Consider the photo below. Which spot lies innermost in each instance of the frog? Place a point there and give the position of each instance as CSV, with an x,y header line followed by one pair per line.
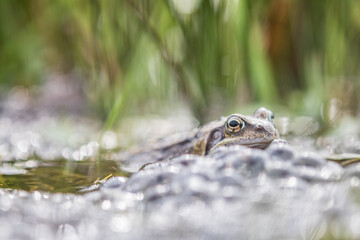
x,y
253,131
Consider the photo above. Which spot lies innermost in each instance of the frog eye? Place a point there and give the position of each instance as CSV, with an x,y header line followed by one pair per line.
x,y
234,124
271,117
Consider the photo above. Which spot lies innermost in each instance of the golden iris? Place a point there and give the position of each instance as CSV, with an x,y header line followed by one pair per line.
x,y
234,124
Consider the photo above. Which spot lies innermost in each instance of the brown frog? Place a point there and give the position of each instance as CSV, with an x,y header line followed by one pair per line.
x,y
256,131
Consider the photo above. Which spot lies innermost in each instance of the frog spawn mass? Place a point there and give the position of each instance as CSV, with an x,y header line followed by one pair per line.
x,y
234,192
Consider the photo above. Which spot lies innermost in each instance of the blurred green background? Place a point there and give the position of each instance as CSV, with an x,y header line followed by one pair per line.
x,y
216,57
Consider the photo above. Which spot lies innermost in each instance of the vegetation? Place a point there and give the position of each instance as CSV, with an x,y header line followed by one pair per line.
x,y
215,56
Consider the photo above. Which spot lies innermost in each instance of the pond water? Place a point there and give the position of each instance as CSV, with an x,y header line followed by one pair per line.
x,y
59,180
57,175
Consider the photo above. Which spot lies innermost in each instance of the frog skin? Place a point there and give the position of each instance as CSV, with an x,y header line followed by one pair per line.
x,y
256,131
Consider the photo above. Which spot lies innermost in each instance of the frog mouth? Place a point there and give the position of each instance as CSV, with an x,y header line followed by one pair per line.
x,y
261,144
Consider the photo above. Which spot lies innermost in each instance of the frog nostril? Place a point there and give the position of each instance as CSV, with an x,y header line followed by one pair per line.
x,y
258,127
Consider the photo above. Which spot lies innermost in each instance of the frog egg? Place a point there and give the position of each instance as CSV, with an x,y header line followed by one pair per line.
x,y
249,164
186,160
224,151
310,160
281,152
146,179
279,171
352,171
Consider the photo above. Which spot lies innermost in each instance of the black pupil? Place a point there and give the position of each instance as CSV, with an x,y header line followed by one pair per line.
x,y
234,123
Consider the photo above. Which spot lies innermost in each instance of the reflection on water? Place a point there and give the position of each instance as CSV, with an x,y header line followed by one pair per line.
x,y
57,175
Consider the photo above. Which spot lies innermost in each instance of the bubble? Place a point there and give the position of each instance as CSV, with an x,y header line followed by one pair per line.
x,y
106,205
109,140
120,223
